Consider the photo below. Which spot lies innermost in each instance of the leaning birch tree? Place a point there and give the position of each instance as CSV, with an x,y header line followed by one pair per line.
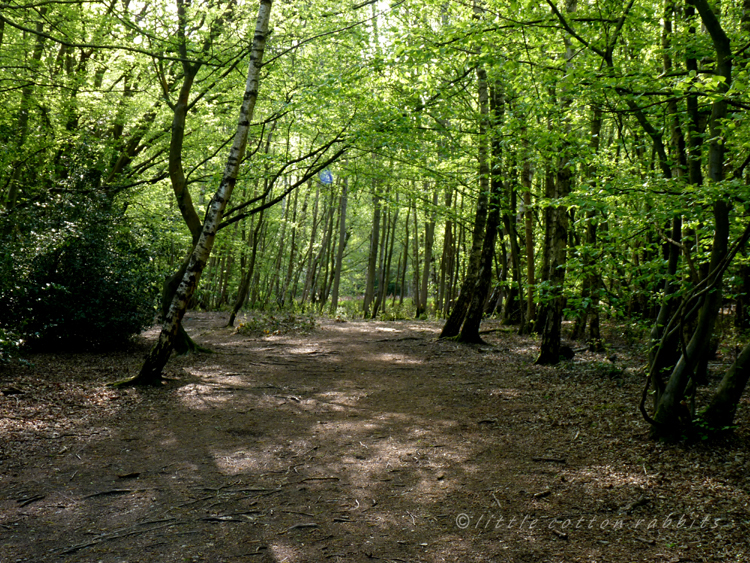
x,y
150,373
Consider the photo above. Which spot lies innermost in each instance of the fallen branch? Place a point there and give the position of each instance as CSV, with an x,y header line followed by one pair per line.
x,y
113,536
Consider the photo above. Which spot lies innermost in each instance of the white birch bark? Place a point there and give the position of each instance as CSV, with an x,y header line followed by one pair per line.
x,y
150,373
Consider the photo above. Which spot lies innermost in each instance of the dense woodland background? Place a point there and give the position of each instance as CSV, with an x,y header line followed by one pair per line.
x,y
540,161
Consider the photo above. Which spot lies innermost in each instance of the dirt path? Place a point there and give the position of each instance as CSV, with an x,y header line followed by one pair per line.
x,y
359,442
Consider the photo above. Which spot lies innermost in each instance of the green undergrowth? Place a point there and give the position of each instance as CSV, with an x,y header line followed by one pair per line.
x,y
260,323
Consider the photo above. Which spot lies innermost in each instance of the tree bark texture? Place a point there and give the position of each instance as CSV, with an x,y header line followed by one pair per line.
x,y
429,236
151,370
342,243
670,419
454,322
372,261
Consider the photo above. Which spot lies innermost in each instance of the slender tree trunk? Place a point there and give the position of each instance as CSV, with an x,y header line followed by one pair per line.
x,y
311,248
383,254
453,262
397,290
526,177
281,246
549,219
320,262
429,235
329,257
551,333
513,312
406,256
455,320
470,330
22,124
248,274
415,264
150,373
254,296
292,254
389,256
549,350
446,260
373,256
342,243
589,313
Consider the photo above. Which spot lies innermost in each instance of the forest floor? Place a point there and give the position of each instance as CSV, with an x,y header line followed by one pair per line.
x,y
357,442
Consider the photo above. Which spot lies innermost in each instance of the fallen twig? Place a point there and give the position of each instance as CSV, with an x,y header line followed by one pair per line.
x,y
110,492
649,542
302,526
491,330
113,536
299,513
224,519
550,459
27,501
559,534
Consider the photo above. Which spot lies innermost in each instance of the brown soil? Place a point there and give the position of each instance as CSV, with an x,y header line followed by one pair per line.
x,y
358,442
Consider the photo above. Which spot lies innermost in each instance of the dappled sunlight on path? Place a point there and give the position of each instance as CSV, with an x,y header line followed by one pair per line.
x,y
360,441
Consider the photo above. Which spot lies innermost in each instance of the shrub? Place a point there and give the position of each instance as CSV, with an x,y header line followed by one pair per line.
x,y
86,283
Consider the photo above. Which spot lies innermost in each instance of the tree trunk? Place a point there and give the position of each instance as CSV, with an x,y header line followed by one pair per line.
x,y
389,256
470,331
415,263
549,219
342,243
406,256
719,414
382,257
373,256
513,313
22,124
530,316
589,313
292,254
549,350
151,370
429,235
670,419
311,249
456,319
280,244
446,261
248,274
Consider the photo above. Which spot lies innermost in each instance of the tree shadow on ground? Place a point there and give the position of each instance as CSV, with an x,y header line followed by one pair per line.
x,y
359,442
